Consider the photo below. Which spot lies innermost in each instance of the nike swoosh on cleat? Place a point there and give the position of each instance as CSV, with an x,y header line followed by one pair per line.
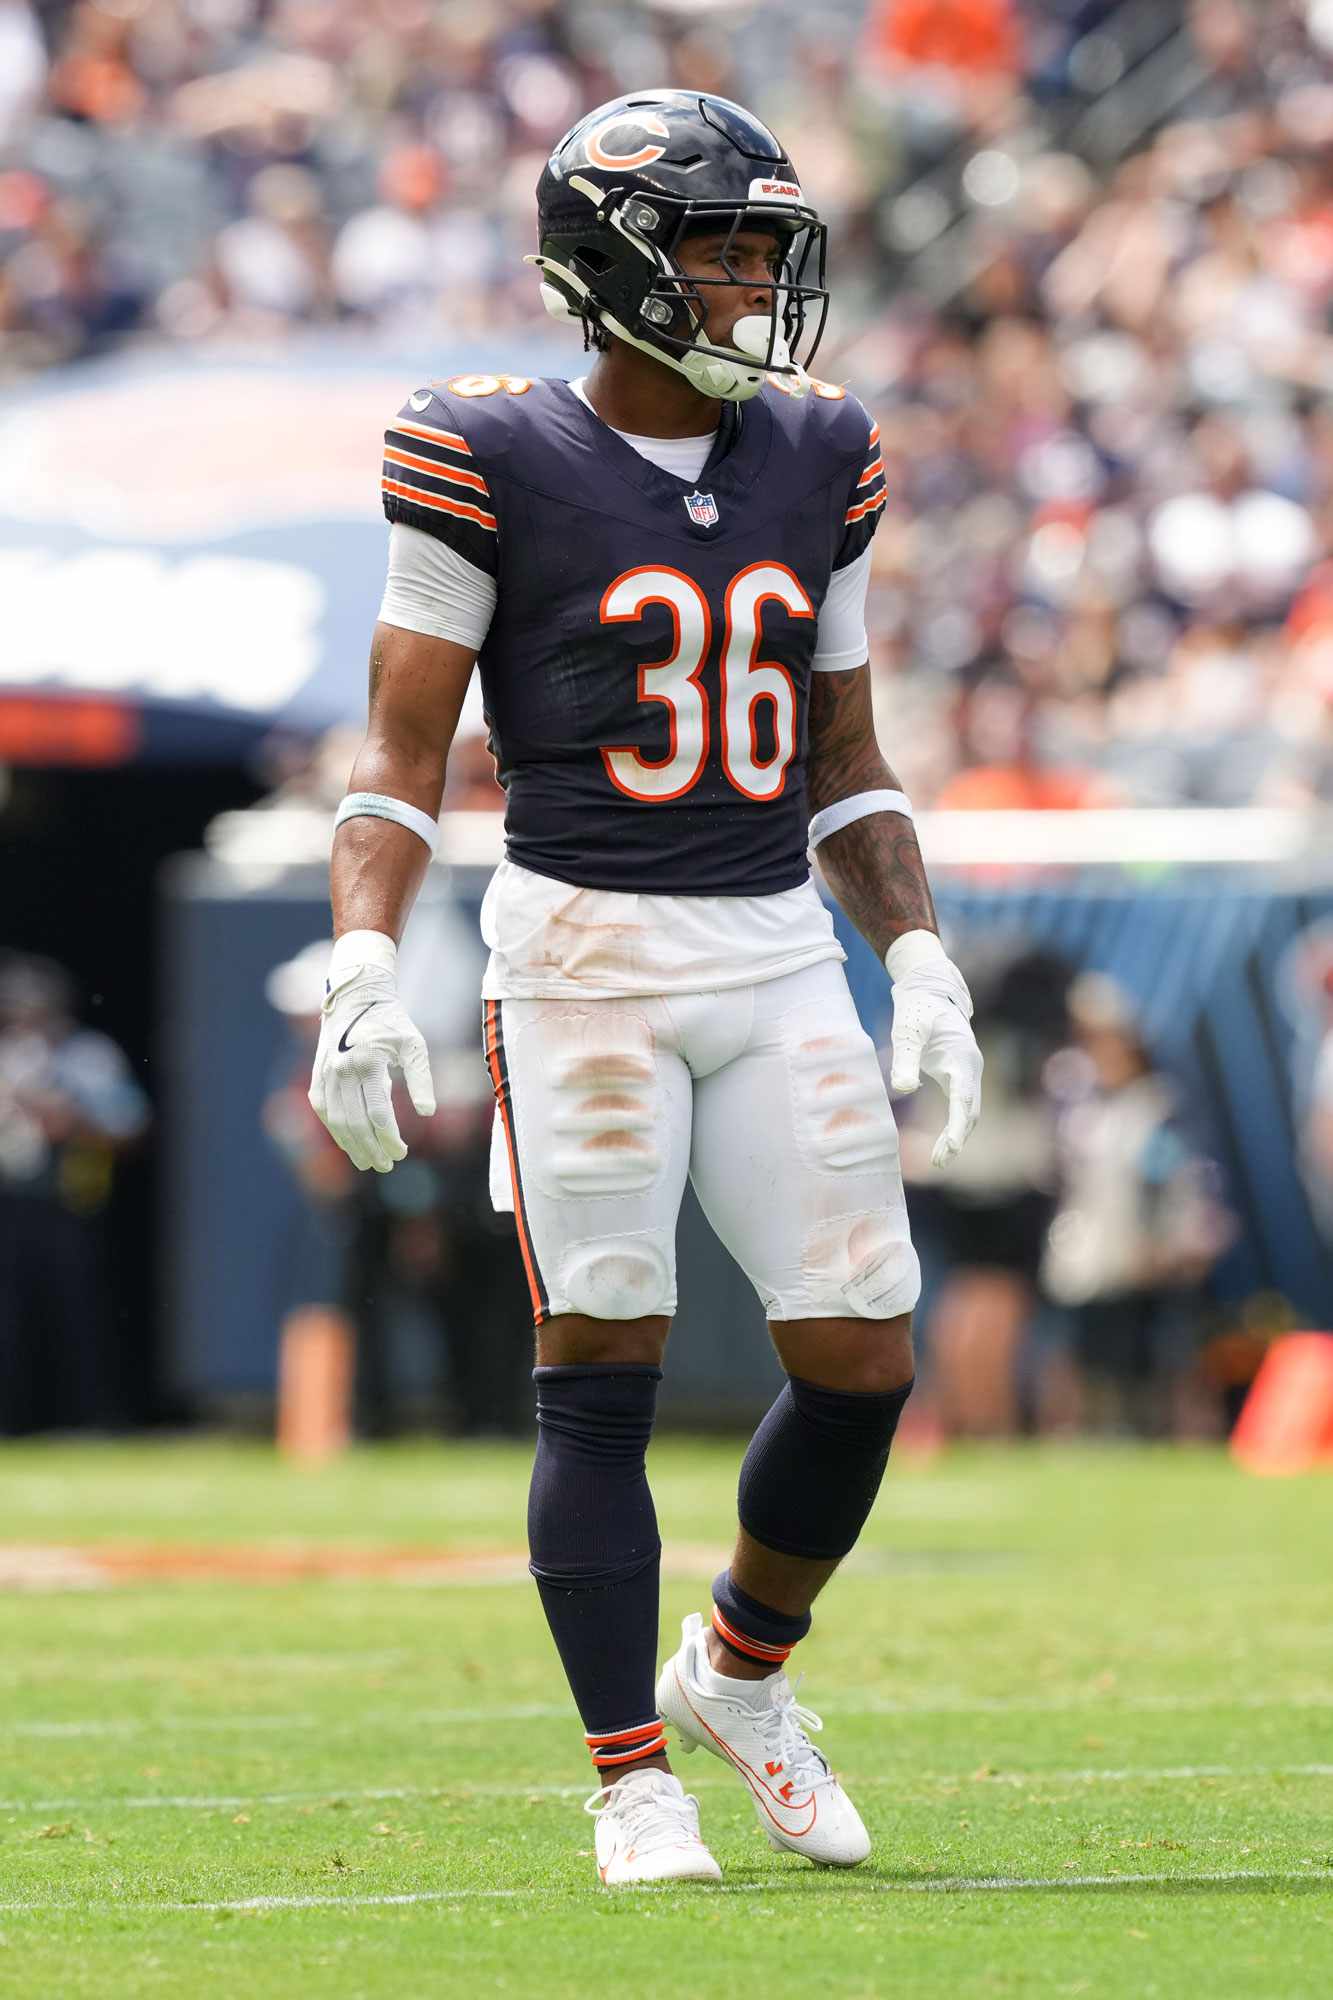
x,y
342,1045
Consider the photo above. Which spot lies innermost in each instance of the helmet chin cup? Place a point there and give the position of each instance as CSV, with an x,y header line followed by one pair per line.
x,y
727,381
752,334
736,381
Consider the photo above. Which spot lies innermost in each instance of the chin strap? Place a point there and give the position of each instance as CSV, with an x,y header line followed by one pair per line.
x,y
716,375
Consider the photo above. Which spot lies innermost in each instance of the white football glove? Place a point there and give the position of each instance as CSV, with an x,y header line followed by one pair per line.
x,y
931,1012
367,1032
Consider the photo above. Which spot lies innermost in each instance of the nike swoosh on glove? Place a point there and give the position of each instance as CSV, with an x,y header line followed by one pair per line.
x,y
366,1033
932,1011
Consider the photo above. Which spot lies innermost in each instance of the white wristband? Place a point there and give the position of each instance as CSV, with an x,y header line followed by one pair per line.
x,y
842,813
912,949
357,948
376,805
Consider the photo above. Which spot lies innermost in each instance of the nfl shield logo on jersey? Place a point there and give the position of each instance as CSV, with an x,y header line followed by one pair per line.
x,y
702,509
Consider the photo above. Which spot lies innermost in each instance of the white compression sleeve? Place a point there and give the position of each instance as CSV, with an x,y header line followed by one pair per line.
x,y
841,641
431,589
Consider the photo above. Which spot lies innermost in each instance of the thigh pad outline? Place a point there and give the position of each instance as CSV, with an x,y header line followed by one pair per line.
x,y
842,1108
603,1105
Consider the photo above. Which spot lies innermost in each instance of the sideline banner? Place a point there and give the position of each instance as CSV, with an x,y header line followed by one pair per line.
x,y
192,549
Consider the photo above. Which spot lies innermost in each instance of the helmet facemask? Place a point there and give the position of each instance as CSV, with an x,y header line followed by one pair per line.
x,y
662,309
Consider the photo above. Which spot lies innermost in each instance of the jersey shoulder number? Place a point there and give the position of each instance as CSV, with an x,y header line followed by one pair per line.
x,y
488,385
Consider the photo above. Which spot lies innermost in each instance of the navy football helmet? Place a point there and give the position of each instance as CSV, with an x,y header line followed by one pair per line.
x,y
621,191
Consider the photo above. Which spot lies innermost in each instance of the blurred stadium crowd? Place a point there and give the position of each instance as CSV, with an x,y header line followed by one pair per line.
x,y
1082,266
1083,259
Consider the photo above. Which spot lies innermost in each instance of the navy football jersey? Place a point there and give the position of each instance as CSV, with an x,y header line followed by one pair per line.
x,y
646,675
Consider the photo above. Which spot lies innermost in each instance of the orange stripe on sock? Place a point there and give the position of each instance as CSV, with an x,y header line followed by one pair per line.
x,y
656,1747
754,1649
628,1735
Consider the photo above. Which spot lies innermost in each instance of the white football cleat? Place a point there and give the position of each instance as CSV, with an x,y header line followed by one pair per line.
x,y
799,1802
648,1831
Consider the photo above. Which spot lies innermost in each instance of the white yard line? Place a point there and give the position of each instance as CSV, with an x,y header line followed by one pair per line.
x,y
962,1705
800,1884
128,1667
1130,1774
860,1703
138,1724
333,1795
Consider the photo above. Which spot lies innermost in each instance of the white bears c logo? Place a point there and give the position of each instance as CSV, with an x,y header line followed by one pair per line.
x,y
600,155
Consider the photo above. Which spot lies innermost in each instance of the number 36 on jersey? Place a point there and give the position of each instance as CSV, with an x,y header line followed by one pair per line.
x,y
748,684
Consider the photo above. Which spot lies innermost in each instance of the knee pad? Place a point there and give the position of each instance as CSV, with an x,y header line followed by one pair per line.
x,y
884,1274
870,1261
590,1515
814,1467
625,1277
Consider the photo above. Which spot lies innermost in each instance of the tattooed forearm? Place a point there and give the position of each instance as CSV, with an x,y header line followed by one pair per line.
x,y
875,870
873,866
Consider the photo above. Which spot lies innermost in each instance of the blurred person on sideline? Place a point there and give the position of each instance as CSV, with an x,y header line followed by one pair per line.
x,y
1305,987
367,1246
69,1106
1138,1223
1317,1133
981,1222
314,1254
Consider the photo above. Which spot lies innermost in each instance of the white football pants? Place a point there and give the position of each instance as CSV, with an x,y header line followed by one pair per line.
x,y
772,1100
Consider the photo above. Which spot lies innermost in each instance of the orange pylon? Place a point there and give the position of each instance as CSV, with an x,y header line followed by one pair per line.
x,y
1287,1422
315,1360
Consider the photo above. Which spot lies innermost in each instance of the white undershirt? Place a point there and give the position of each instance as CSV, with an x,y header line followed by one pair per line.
x,y
681,944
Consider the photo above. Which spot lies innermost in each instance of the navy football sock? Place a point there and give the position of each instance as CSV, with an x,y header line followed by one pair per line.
x,y
595,1551
751,1630
814,1467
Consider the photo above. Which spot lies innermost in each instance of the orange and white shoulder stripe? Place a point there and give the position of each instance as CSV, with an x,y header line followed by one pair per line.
x,y
439,505
432,434
874,500
421,466
864,507
870,492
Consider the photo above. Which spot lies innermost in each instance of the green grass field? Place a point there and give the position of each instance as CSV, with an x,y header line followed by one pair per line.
x,y
1083,1698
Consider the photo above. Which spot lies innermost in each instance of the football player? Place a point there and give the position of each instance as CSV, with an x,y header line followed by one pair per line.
x,y
661,570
